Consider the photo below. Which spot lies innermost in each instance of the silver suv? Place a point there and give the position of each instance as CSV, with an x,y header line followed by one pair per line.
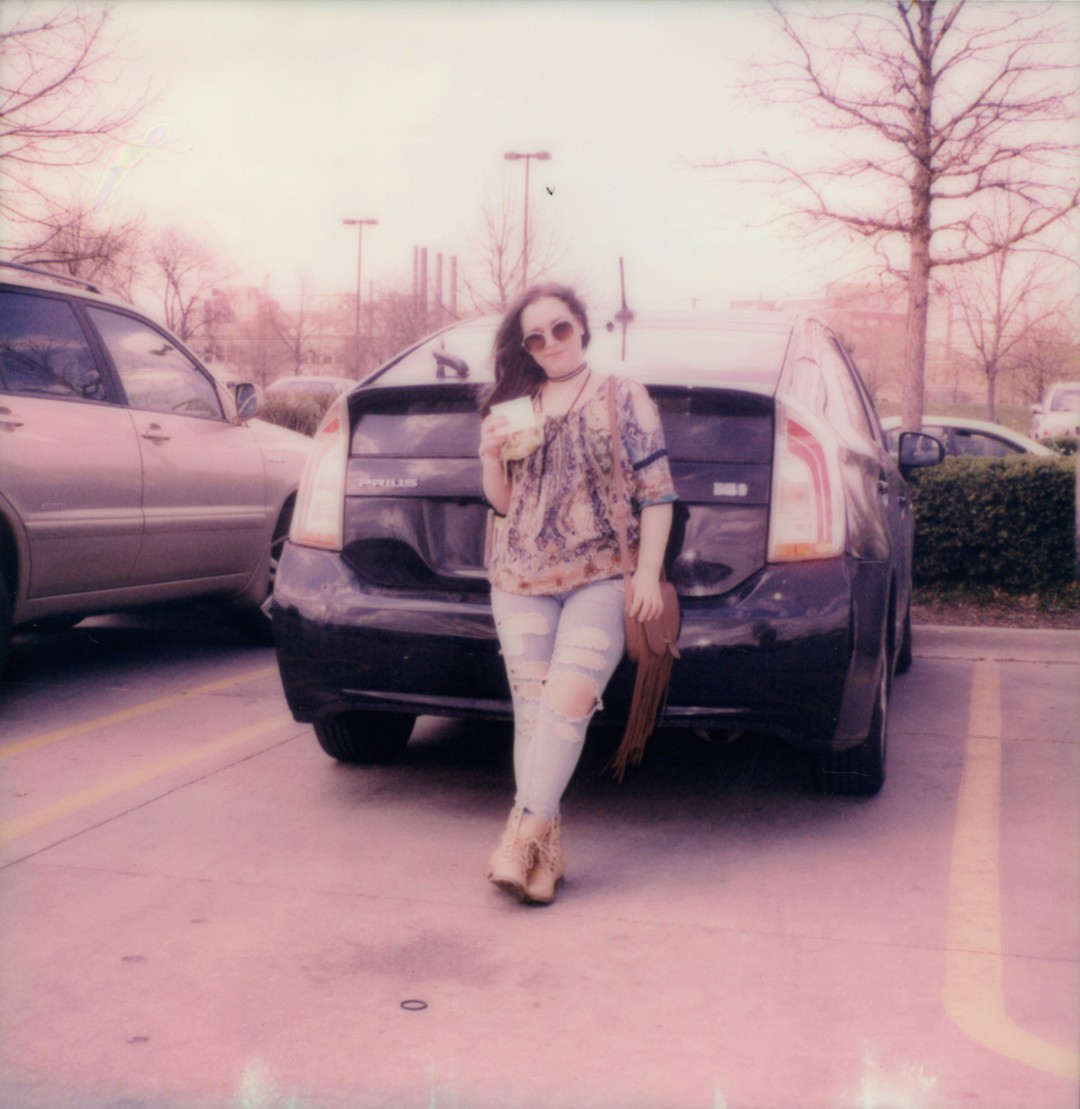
x,y
128,476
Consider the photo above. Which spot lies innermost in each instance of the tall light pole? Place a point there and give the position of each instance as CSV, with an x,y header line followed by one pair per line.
x,y
540,156
359,225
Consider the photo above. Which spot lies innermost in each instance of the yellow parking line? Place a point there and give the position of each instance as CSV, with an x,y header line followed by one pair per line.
x,y
12,829
58,734
974,979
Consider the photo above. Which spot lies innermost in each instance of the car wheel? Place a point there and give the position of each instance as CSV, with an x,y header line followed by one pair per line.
x,y
6,623
904,657
364,737
277,546
257,622
860,771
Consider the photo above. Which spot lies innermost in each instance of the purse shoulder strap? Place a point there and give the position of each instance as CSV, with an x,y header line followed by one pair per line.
x,y
621,507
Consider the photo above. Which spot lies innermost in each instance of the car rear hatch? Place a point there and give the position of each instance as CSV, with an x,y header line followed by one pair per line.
x,y
415,521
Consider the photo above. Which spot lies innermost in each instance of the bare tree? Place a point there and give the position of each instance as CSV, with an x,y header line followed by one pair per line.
x,y
183,271
81,244
299,331
1046,353
925,109
400,321
53,116
499,252
999,301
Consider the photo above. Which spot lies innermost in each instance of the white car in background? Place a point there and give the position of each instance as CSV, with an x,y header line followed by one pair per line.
x,y
968,438
1059,415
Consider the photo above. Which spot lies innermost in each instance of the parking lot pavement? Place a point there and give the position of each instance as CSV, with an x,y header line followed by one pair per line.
x,y
267,928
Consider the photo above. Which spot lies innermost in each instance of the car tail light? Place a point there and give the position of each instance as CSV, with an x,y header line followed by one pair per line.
x,y
320,502
807,511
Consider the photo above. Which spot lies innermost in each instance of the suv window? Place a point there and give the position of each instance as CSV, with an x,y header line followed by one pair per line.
x,y
43,351
155,374
1066,400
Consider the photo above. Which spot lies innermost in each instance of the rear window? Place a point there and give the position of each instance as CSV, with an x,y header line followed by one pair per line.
x,y
741,353
418,424
741,357
444,422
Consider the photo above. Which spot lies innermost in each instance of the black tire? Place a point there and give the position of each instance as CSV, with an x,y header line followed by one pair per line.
x,y
904,657
860,771
277,545
7,623
364,737
257,622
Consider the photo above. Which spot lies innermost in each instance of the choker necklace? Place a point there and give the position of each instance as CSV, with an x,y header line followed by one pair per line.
x,y
559,420
570,376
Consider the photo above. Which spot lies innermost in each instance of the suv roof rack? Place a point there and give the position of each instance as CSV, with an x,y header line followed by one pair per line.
x,y
63,278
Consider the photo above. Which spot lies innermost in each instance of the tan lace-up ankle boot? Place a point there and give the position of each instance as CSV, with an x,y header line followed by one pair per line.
x,y
550,866
513,858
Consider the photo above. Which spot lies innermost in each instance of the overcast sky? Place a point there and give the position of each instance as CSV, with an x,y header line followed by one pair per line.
x,y
280,118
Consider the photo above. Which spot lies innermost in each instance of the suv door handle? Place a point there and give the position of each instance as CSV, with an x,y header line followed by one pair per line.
x,y
8,419
156,433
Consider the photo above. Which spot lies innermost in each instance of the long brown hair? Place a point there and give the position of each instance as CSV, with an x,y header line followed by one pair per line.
x,y
516,373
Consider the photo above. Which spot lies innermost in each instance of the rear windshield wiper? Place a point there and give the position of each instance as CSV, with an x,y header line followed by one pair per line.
x,y
450,364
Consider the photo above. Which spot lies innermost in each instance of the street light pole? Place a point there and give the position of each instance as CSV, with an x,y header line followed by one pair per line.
x,y
359,225
513,156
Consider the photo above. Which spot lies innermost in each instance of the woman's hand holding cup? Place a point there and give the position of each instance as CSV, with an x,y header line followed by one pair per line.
x,y
493,434
505,419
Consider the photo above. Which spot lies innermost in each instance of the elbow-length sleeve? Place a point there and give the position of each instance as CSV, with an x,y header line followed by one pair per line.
x,y
643,438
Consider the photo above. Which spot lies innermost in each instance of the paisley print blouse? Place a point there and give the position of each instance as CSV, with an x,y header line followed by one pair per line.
x,y
559,533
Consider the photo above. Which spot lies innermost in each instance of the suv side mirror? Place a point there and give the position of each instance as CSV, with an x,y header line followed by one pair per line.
x,y
917,449
247,401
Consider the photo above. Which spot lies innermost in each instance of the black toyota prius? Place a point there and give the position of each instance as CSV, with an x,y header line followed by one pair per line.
x,y
791,548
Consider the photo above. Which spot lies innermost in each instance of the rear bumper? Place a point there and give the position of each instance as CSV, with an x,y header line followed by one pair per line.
x,y
794,652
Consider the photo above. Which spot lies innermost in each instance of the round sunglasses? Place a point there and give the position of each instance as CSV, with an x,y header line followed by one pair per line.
x,y
535,341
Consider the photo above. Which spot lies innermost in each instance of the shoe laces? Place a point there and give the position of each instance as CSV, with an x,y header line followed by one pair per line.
x,y
546,853
522,852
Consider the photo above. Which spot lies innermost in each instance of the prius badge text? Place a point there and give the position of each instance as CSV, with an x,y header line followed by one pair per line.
x,y
387,482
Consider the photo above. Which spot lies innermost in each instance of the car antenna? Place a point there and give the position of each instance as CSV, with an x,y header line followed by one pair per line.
x,y
624,314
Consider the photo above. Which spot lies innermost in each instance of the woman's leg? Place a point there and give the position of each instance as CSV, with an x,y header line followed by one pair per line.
x,y
560,653
527,627
588,644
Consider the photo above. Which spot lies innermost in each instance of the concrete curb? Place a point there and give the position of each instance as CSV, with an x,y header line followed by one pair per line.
x,y
1002,644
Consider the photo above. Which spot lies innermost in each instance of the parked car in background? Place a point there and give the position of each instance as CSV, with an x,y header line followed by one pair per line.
x,y
1058,417
298,386
964,438
791,547
128,475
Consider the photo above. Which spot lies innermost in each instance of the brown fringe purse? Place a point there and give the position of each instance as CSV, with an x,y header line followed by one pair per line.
x,y
652,644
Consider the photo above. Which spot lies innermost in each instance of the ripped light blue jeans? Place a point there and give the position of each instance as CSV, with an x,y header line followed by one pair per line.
x,y
560,652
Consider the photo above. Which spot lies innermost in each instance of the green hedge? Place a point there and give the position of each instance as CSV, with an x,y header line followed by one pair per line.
x,y
1063,444
303,413
1009,524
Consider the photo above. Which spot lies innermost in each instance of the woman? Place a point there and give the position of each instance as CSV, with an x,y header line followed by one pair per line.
x,y
557,590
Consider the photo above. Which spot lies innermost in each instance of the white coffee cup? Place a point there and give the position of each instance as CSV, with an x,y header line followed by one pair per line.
x,y
518,412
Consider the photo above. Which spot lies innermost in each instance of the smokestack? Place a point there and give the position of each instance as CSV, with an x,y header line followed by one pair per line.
x,y
438,286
